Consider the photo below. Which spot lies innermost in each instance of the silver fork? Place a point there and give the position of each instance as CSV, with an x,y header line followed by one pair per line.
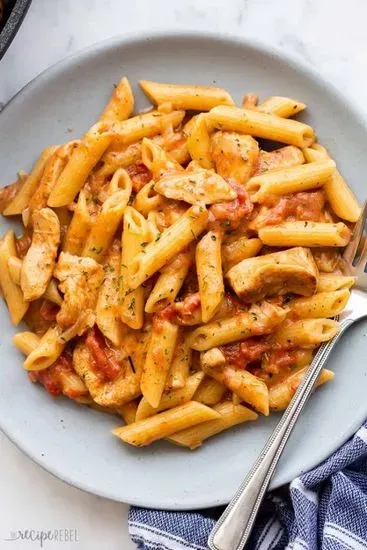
x,y
234,526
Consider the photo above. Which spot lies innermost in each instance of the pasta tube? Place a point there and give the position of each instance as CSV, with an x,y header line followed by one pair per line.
x,y
48,350
198,143
172,398
281,393
172,241
323,304
210,276
145,125
26,342
22,198
169,282
135,234
281,106
13,295
290,180
259,320
187,97
158,361
82,160
229,416
164,424
306,333
105,226
262,125
79,227
107,315
121,104
313,234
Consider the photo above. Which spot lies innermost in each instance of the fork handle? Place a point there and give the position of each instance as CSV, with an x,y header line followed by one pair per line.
x,y
234,526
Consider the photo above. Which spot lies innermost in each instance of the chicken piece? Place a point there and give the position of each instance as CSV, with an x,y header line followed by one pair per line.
x,y
235,155
107,393
201,186
80,280
293,270
285,157
39,262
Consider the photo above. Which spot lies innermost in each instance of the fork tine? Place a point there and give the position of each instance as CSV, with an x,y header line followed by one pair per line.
x,y
361,264
351,249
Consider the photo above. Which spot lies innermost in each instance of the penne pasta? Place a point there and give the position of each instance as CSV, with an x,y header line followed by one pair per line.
x,y
198,143
147,200
262,125
135,234
280,395
158,361
50,347
210,392
323,304
22,198
312,234
187,97
169,282
105,226
26,341
238,250
245,385
171,241
229,416
107,314
52,171
164,424
79,227
307,332
261,319
210,276
145,125
290,180
13,296
170,399
329,282
340,197
121,104
157,159
81,162
181,364
281,106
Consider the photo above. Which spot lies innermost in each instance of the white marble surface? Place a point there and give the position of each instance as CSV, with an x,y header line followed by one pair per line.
x,y
329,34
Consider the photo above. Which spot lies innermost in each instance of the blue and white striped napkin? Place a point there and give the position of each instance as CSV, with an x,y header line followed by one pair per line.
x,y
325,508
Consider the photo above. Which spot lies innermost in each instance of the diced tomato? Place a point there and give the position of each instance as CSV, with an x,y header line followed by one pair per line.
x,y
241,354
233,211
23,243
280,359
104,361
182,312
48,310
139,174
50,378
303,206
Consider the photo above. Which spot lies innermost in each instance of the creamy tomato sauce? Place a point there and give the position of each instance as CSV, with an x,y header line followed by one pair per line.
x,y
105,361
303,206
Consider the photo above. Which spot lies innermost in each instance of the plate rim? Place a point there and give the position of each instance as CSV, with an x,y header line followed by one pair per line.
x,y
132,39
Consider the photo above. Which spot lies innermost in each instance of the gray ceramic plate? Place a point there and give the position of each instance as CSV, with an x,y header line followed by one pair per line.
x,y
75,443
